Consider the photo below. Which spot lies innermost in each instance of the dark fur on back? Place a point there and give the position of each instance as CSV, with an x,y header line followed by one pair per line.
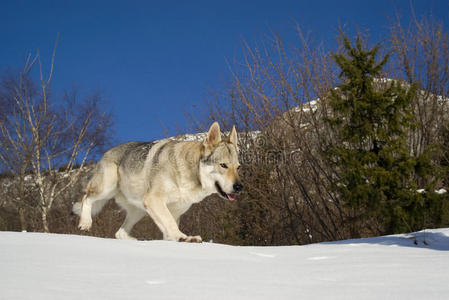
x,y
131,155
135,157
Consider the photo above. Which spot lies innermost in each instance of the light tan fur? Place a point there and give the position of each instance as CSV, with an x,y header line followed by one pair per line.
x,y
162,179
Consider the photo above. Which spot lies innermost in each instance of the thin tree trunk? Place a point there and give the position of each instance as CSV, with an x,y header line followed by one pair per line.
x,y
44,220
23,222
21,209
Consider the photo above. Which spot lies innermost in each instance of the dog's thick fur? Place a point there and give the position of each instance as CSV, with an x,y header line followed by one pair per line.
x,y
162,179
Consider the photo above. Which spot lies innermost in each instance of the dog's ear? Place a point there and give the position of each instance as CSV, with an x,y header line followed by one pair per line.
x,y
232,137
213,136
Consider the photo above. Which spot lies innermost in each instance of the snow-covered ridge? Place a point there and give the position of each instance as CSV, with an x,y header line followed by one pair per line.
x,y
244,138
312,106
50,266
195,137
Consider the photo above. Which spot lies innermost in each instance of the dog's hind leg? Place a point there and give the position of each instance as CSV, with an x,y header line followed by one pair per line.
x,y
133,215
101,187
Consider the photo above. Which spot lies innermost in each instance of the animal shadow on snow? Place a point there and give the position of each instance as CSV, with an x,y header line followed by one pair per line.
x,y
423,239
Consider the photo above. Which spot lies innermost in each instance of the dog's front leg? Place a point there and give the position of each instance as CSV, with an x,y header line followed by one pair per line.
x,y
159,212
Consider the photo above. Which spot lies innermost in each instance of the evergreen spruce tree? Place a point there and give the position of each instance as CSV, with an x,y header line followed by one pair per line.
x,y
376,171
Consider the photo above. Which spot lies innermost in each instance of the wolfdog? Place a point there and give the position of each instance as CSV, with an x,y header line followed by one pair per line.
x,y
163,179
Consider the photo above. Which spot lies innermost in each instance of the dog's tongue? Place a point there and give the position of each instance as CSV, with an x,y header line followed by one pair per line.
x,y
231,196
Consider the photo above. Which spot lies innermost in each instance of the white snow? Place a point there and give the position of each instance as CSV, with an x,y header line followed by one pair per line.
x,y
51,266
308,106
441,191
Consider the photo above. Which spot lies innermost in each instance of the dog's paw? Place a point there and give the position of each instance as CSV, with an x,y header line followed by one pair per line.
x,y
121,234
191,239
85,224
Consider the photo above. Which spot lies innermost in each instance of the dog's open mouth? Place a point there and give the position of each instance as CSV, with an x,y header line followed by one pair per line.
x,y
223,194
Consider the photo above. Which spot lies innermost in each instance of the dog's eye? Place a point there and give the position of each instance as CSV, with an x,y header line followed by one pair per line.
x,y
224,166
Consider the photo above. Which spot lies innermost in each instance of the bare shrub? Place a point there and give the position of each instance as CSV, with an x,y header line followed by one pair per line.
x,y
46,140
278,97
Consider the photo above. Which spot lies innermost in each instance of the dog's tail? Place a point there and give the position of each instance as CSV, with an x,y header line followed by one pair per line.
x,y
97,206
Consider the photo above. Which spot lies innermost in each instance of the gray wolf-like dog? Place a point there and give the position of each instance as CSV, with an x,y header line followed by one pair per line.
x,y
163,179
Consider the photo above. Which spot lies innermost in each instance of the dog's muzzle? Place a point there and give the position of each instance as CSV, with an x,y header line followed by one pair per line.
x,y
238,187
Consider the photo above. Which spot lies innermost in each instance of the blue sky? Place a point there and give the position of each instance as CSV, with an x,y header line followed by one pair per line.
x,y
155,60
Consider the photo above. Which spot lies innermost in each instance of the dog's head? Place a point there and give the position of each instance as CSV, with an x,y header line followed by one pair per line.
x,y
219,163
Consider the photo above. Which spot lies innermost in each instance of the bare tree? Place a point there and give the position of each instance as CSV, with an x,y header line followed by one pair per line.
x,y
287,199
421,55
16,143
51,139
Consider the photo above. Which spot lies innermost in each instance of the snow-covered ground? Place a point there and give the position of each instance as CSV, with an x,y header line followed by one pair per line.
x,y
51,266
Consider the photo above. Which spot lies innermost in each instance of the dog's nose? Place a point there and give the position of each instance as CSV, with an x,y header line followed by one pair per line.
x,y
237,187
